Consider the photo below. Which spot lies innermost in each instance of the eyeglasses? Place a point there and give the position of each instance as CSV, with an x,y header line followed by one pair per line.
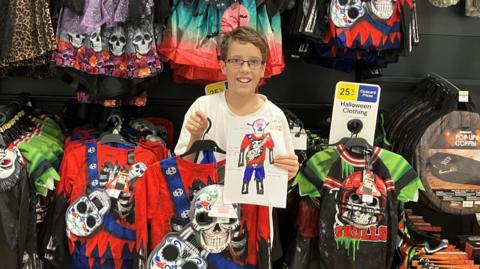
x,y
238,63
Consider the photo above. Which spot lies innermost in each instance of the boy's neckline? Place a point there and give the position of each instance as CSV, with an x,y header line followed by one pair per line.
x,y
262,97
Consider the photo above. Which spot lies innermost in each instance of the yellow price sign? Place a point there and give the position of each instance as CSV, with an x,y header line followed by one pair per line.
x,y
347,91
216,87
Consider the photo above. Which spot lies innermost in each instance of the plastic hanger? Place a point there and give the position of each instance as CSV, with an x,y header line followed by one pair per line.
x,y
204,144
354,143
115,136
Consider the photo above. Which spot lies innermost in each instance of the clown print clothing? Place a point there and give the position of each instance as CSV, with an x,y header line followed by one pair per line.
x,y
358,218
17,220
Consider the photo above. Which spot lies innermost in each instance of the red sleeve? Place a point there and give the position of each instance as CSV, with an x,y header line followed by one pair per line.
x,y
245,143
157,148
159,206
69,169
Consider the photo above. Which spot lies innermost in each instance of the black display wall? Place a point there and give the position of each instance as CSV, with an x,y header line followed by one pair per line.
x,y
449,46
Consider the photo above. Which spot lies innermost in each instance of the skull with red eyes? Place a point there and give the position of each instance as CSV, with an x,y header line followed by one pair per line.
x,y
363,200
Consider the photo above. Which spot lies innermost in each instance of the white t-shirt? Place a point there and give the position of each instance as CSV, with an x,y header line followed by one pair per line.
x,y
216,108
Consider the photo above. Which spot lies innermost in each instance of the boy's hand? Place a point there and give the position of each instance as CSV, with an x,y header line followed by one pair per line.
x,y
197,124
288,162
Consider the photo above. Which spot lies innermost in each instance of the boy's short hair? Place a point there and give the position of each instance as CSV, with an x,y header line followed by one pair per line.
x,y
243,34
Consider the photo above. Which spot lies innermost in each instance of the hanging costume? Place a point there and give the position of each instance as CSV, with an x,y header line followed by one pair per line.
x,y
106,220
27,37
18,235
363,201
177,182
194,30
115,38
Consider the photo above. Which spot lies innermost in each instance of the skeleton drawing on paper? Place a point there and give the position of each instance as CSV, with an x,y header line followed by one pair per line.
x,y
253,152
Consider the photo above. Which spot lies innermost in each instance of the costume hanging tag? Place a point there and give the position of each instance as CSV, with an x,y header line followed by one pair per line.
x,y
463,96
221,210
367,187
216,87
223,220
299,138
113,193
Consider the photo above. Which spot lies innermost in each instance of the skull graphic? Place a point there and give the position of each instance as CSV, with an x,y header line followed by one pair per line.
x,y
445,3
175,251
137,170
213,233
86,214
178,192
355,208
380,9
117,40
95,41
67,57
344,13
142,40
171,171
76,39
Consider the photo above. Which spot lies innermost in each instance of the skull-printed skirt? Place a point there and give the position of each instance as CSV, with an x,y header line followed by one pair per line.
x,y
108,44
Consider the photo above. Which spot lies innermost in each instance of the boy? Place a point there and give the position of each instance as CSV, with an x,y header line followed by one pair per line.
x,y
243,57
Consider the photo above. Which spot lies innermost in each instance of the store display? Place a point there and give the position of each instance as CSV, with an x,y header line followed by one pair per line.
x,y
447,159
102,187
440,140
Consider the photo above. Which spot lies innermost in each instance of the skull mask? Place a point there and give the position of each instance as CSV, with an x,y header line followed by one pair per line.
x,y
142,40
355,208
117,41
95,41
76,39
137,170
85,215
344,13
175,251
213,233
381,9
